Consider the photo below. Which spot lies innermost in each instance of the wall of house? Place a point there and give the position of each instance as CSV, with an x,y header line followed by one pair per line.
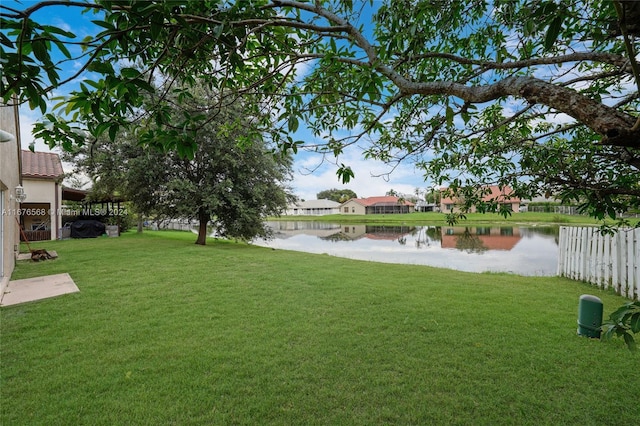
x,y
9,179
452,208
351,207
43,196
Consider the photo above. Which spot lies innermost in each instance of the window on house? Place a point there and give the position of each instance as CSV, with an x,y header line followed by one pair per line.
x,y
353,209
346,209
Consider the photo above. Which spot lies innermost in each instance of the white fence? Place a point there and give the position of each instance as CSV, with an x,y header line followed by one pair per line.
x,y
602,260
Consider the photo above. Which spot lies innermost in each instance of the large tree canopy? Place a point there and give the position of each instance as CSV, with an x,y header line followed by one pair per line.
x,y
225,187
337,195
539,95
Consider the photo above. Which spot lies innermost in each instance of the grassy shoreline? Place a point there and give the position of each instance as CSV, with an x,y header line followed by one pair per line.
x,y
438,219
167,332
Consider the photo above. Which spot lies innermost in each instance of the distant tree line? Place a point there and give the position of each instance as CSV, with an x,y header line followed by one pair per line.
x,y
337,195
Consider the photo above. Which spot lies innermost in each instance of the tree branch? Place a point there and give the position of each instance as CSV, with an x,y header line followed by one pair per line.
x,y
603,57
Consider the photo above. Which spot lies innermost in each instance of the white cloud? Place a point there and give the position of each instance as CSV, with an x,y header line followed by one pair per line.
x,y
372,178
63,25
27,119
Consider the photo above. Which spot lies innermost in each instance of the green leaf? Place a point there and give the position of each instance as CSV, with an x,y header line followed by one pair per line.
x,y
56,30
449,115
52,74
5,40
631,344
34,95
635,322
94,84
143,85
113,130
552,32
104,24
40,50
529,27
607,331
345,173
85,44
42,103
101,128
95,109
618,315
63,48
101,67
129,72
292,123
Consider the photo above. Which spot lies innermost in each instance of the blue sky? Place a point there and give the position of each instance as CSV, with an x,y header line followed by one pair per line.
x,y
311,173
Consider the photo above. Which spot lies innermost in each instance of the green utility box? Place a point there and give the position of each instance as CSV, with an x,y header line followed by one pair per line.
x,y
589,316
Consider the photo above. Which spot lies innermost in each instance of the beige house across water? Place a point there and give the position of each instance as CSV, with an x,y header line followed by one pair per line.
x,y
377,205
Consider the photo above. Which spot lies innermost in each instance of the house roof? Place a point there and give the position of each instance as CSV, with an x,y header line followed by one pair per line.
x,y
379,201
316,204
42,165
495,194
72,194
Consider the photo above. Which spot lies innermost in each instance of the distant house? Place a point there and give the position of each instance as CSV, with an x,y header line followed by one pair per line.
x,y
42,176
503,197
423,206
9,191
313,208
377,205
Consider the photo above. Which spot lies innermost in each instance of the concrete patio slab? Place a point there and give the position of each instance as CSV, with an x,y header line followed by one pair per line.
x,y
32,289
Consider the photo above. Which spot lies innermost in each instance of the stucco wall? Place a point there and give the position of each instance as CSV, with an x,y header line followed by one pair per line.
x,y
515,208
9,179
351,207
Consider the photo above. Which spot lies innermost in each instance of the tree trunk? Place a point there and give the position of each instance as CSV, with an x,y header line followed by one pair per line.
x,y
140,223
202,229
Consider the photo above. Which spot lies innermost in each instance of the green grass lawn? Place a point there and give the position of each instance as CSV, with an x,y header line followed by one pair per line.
x,y
167,332
472,219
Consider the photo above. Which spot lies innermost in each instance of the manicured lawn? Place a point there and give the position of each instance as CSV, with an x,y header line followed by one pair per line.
x,y
472,219
167,332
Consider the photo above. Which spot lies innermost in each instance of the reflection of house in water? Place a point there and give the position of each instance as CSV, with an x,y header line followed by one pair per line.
x,y
286,229
480,238
374,232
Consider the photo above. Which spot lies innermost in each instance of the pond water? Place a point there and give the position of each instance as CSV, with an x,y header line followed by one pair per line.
x,y
518,250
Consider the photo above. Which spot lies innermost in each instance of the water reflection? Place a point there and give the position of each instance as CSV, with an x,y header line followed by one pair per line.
x,y
520,250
